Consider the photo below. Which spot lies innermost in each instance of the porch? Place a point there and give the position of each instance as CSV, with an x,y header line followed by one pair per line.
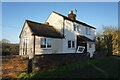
x,y
82,41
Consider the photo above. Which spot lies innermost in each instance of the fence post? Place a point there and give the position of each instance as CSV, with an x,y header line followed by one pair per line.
x,y
29,66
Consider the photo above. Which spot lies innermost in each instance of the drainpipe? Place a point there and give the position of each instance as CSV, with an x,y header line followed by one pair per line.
x,y
63,27
34,47
63,32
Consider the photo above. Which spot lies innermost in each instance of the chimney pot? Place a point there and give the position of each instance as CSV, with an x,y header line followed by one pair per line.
x,y
71,12
71,15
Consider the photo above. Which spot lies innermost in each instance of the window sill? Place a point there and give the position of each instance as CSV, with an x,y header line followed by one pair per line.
x,y
76,32
46,48
71,48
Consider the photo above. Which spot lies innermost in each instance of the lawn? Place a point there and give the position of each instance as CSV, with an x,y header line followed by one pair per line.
x,y
104,67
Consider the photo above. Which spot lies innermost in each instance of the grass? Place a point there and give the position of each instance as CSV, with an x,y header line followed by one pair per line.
x,y
105,67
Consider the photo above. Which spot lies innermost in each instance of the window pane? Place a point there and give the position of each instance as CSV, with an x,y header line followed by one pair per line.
x,y
48,43
73,44
43,46
43,42
86,30
69,44
89,31
74,27
48,46
77,28
80,49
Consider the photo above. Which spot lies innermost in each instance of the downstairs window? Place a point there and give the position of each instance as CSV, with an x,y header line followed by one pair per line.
x,y
71,44
45,43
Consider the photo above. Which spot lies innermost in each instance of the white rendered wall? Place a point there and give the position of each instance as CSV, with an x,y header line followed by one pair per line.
x,y
92,49
26,34
56,21
83,31
56,46
69,35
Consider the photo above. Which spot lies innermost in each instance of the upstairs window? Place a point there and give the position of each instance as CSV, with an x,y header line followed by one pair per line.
x,y
88,31
71,44
45,43
76,27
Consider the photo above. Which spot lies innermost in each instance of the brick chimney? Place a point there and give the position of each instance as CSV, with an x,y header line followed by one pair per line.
x,y
71,15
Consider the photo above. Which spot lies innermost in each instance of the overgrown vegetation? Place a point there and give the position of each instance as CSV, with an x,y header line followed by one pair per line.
x,y
105,67
9,48
109,40
100,42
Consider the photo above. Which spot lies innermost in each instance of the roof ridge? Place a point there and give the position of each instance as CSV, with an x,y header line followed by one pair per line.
x,y
32,21
38,23
75,20
60,14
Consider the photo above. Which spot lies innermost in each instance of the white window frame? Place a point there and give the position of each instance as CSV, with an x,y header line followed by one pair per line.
x,y
71,44
76,28
46,45
25,46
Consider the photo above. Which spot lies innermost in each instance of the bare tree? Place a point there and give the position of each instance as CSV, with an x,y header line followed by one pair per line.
x,y
111,36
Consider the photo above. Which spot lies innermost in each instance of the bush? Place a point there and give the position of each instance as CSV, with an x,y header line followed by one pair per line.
x,y
10,49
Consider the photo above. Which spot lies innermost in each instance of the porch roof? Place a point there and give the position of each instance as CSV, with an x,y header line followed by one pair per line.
x,y
85,38
44,30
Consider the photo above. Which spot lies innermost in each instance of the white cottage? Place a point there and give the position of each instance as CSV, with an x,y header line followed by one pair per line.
x,y
58,35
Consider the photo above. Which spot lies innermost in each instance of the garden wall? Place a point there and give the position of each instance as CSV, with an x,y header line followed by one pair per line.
x,y
46,61
13,66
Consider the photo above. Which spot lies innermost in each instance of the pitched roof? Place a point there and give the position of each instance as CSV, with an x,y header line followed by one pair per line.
x,y
75,20
44,30
85,38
